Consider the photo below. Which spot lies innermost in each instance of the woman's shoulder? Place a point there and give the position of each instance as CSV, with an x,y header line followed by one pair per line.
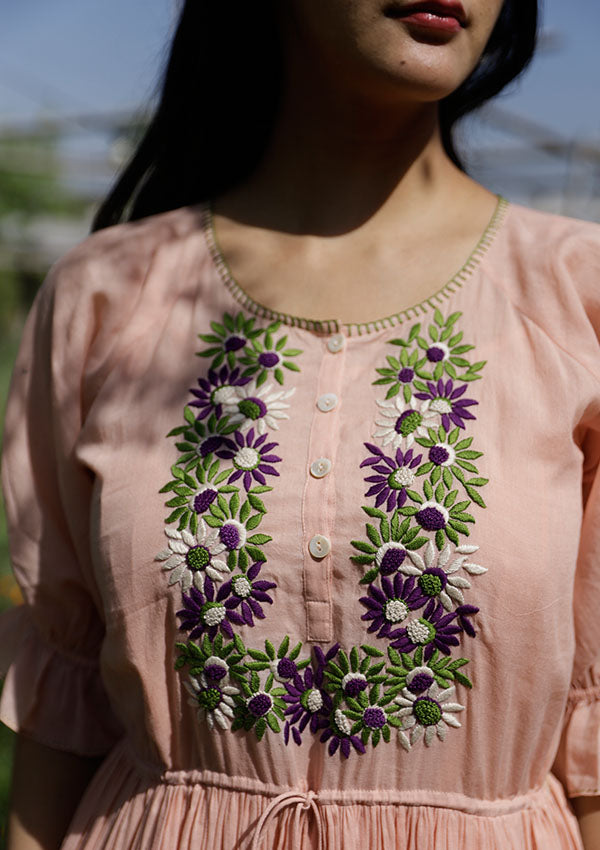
x,y
117,259
549,267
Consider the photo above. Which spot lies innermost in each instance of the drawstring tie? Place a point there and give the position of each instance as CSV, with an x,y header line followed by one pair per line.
x,y
303,802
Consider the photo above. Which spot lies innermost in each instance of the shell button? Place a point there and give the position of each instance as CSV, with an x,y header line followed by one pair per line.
x,y
335,343
319,546
327,402
320,467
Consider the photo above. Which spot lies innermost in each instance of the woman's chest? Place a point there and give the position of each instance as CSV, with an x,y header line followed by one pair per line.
x,y
341,511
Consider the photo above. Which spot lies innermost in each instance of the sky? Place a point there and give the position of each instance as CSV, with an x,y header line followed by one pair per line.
x,y
86,55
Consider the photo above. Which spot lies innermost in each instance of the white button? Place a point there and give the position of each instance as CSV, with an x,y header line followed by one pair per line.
x,y
319,546
327,402
320,467
335,343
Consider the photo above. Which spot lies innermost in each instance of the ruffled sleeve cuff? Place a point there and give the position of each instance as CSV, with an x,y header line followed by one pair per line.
x,y
53,697
577,762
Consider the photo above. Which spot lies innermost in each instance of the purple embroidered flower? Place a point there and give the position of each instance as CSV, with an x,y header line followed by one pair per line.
x,y
434,630
207,613
308,702
393,478
216,390
338,733
391,604
246,594
446,400
251,458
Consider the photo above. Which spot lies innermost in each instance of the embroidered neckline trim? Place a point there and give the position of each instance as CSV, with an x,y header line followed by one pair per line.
x,y
329,326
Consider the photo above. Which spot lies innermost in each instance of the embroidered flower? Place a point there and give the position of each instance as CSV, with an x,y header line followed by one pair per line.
x,y
246,594
190,556
257,406
439,668
262,358
213,700
308,701
425,709
437,574
204,614
400,374
251,459
390,605
435,629
401,422
215,391
259,707
347,676
282,663
339,734
229,338
395,476
370,715
445,399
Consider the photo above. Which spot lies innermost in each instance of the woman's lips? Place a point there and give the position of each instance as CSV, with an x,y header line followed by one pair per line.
x,y
445,15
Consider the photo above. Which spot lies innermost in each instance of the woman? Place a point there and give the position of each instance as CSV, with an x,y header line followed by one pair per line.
x,y
350,600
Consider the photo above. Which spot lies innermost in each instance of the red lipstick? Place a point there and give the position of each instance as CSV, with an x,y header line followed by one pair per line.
x,y
441,15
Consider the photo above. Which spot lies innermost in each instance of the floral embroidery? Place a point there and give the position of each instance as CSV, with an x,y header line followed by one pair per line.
x,y
417,572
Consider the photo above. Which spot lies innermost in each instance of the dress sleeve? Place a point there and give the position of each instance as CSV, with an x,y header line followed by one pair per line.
x,y
50,646
577,762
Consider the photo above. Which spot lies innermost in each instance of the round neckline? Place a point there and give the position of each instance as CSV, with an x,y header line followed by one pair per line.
x,y
330,326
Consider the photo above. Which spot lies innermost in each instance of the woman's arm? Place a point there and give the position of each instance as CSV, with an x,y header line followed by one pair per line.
x,y
587,810
47,785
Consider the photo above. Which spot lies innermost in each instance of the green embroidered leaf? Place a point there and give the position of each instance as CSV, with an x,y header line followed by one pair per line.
x,y
177,502
234,504
369,576
447,476
393,390
395,527
374,512
278,374
255,553
438,371
395,721
260,728
384,526
270,649
254,521
217,512
259,539
257,503
452,535
272,721
175,515
361,560
245,511
354,659
363,547
283,647
463,680
425,467
416,543
448,501
433,333
428,490
440,541
343,661
475,496
416,497
296,651
466,465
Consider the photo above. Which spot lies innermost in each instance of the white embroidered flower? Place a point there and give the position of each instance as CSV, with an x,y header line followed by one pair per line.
x,y
257,407
401,422
441,572
189,556
426,714
213,701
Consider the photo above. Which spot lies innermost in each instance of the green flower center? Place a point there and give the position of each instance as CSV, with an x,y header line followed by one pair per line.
x,y
209,698
427,711
409,422
250,409
198,558
421,631
430,584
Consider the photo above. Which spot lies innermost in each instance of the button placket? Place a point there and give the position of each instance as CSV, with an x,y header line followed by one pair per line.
x,y
318,504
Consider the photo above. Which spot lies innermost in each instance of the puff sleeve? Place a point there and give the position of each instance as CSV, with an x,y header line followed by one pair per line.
x,y
50,646
577,762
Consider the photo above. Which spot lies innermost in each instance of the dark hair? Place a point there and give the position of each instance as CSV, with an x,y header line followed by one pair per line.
x,y
218,102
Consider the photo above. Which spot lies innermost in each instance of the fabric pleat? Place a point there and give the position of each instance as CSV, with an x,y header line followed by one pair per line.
x,y
125,810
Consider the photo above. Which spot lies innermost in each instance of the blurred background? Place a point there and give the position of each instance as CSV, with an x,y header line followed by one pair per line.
x,y
77,81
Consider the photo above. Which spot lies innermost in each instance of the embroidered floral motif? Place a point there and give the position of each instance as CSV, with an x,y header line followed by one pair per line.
x,y
418,573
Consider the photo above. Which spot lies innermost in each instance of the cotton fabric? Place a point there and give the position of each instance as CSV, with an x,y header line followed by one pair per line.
x,y
109,362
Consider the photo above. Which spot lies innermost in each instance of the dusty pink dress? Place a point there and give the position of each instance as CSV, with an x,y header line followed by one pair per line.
x,y
309,584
